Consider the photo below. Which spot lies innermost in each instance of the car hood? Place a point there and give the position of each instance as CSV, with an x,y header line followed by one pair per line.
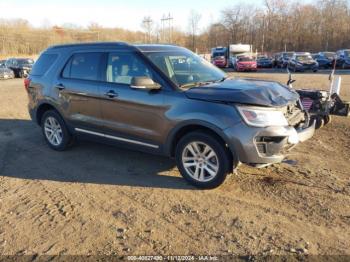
x,y
245,91
246,62
309,62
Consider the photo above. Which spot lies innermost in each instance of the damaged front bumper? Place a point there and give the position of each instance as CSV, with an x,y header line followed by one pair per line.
x,y
264,146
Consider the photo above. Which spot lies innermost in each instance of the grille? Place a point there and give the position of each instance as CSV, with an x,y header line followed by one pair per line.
x,y
294,115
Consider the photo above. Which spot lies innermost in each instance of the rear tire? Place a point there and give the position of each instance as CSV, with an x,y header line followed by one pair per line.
x,y
203,160
55,131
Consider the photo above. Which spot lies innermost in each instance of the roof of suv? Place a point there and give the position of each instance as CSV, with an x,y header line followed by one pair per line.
x,y
302,53
120,45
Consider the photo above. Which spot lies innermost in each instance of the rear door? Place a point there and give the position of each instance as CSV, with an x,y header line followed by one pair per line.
x,y
78,90
128,113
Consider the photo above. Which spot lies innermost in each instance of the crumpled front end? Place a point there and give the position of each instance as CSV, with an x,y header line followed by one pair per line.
x,y
267,145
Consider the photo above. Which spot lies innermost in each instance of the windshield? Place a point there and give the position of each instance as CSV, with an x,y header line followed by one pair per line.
x,y
185,68
25,61
288,55
219,54
245,59
329,55
304,57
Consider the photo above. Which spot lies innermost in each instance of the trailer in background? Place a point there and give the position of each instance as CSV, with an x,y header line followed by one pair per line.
x,y
237,50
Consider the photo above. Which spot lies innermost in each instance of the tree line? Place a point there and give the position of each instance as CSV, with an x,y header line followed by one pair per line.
x,y
277,25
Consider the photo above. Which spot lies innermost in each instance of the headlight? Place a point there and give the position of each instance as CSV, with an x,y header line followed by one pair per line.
x,y
262,117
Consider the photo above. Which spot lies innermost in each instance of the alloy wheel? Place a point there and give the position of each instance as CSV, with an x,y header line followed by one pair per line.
x,y
200,161
53,131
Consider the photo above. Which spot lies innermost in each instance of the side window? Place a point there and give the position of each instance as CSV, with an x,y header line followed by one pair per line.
x,y
83,66
122,67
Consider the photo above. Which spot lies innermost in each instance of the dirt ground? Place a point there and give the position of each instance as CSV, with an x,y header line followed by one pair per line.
x,y
96,199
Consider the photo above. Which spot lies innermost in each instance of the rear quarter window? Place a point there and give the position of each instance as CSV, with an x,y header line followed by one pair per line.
x,y
43,64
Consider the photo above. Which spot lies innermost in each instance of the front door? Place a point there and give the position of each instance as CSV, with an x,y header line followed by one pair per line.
x,y
131,115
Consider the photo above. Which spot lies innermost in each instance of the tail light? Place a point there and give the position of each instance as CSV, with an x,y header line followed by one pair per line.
x,y
27,83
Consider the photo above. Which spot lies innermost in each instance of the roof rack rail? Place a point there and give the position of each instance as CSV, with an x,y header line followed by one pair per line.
x,y
89,44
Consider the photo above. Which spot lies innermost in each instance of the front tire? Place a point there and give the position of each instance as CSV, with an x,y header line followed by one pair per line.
x,y
203,160
55,131
20,74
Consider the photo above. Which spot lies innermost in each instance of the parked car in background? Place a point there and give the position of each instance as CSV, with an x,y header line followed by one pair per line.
x,y
134,96
246,63
20,66
283,60
264,62
275,59
343,58
2,62
6,73
330,55
323,62
302,62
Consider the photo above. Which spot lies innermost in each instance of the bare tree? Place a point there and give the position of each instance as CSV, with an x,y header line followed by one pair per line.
x,y
276,25
193,24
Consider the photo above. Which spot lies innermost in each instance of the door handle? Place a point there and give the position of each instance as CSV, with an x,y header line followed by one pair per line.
x,y
111,94
60,87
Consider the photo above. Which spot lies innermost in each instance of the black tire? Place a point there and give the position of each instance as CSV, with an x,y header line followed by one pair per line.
x,y
67,138
224,158
327,119
16,73
319,122
20,74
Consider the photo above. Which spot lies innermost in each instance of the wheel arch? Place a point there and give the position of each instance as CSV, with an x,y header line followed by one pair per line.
x,y
181,130
42,108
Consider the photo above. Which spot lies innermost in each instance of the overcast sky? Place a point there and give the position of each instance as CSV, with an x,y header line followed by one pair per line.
x,y
112,13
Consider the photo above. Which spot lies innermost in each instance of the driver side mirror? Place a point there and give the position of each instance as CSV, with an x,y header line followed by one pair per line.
x,y
144,82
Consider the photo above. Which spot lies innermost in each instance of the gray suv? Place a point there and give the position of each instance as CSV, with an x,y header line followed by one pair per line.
x,y
165,100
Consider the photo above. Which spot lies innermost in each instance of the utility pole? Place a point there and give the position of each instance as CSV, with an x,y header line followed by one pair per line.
x,y
147,23
167,20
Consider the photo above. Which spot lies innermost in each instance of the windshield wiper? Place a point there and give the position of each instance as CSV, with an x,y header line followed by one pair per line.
x,y
196,84
222,79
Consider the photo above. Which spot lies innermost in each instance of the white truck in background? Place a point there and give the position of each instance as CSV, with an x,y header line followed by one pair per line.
x,y
237,50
